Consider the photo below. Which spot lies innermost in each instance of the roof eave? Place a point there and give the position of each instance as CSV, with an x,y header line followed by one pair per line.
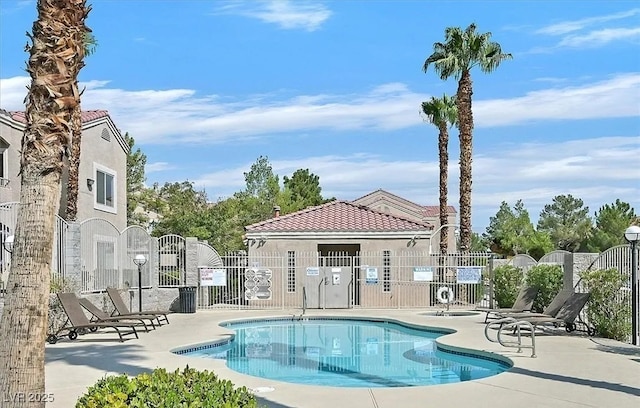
x,y
314,235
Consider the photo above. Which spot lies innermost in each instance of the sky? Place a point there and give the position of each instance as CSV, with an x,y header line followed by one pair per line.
x,y
207,87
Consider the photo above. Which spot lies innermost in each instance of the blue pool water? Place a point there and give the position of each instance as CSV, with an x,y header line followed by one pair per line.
x,y
345,353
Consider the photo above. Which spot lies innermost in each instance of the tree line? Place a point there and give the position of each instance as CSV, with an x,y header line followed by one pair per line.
x,y
184,210
563,224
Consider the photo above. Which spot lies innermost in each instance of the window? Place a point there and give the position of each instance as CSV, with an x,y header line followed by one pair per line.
x,y
291,271
4,179
105,189
386,271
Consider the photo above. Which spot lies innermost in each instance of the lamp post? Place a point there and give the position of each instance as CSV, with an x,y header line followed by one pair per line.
x,y
490,279
139,260
632,235
435,233
8,243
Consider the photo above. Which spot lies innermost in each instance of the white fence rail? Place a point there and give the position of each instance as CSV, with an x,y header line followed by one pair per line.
x,y
384,279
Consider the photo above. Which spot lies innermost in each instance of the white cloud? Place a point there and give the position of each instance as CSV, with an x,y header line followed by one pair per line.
x,y
595,170
615,97
290,15
566,27
590,32
158,167
600,37
180,115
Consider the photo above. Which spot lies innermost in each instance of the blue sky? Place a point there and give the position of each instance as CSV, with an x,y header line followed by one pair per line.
x,y
206,87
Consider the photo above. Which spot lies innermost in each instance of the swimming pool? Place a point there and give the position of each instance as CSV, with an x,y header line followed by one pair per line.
x,y
345,353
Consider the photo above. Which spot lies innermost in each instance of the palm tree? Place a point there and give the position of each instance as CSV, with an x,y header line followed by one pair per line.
x,y
71,210
443,113
462,51
56,50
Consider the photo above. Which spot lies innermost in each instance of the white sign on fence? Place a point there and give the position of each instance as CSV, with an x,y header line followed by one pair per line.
x,y
371,275
469,275
422,273
257,284
213,277
313,271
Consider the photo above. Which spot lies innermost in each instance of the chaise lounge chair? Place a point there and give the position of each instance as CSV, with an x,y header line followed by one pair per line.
x,y
551,310
99,316
524,302
78,322
566,317
121,308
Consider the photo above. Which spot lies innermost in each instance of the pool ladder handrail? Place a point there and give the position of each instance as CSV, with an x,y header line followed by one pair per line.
x,y
304,300
510,323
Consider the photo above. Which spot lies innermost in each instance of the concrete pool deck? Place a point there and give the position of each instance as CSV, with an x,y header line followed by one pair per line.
x,y
570,370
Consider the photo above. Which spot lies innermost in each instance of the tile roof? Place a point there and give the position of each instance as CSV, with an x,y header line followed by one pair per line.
x,y
427,210
338,216
87,116
434,210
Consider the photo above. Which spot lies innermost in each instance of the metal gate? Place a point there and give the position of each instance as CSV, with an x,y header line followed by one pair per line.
x,y
329,285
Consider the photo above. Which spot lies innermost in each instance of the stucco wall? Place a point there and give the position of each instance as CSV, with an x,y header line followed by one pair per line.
x,y
94,149
12,163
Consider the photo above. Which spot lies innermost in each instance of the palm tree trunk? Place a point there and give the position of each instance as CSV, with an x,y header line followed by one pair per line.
x,y
443,145
71,212
56,50
465,125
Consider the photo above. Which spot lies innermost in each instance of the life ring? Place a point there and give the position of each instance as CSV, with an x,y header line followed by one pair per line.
x,y
441,293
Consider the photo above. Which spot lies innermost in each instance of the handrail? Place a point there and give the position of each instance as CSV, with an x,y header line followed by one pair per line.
x,y
509,323
304,300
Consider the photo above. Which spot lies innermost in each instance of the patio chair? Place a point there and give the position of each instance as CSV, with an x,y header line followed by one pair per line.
x,y
524,302
566,317
98,316
78,322
551,310
121,308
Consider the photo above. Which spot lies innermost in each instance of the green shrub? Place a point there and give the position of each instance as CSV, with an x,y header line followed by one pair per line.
x,y
609,308
162,389
507,280
548,279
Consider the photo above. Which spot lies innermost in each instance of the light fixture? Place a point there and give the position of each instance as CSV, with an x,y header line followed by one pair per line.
x,y
632,235
139,260
8,243
456,233
90,183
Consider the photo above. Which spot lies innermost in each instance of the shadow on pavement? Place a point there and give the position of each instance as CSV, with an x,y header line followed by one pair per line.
x,y
111,358
580,381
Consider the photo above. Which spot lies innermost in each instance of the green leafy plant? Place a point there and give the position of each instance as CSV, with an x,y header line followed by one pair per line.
x,y
507,280
162,389
548,279
609,308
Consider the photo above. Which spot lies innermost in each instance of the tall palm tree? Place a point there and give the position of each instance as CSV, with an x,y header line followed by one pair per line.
x,y
71,210
56,50
443,113
457,56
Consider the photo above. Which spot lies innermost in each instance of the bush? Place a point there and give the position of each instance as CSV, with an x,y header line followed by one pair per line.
x,y
507,280
162,389
548,279
609,307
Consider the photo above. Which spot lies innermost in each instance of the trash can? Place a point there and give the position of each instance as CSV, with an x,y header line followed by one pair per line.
x,y
187,299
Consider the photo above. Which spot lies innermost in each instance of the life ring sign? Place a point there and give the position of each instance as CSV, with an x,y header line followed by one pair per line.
x,y
445,295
